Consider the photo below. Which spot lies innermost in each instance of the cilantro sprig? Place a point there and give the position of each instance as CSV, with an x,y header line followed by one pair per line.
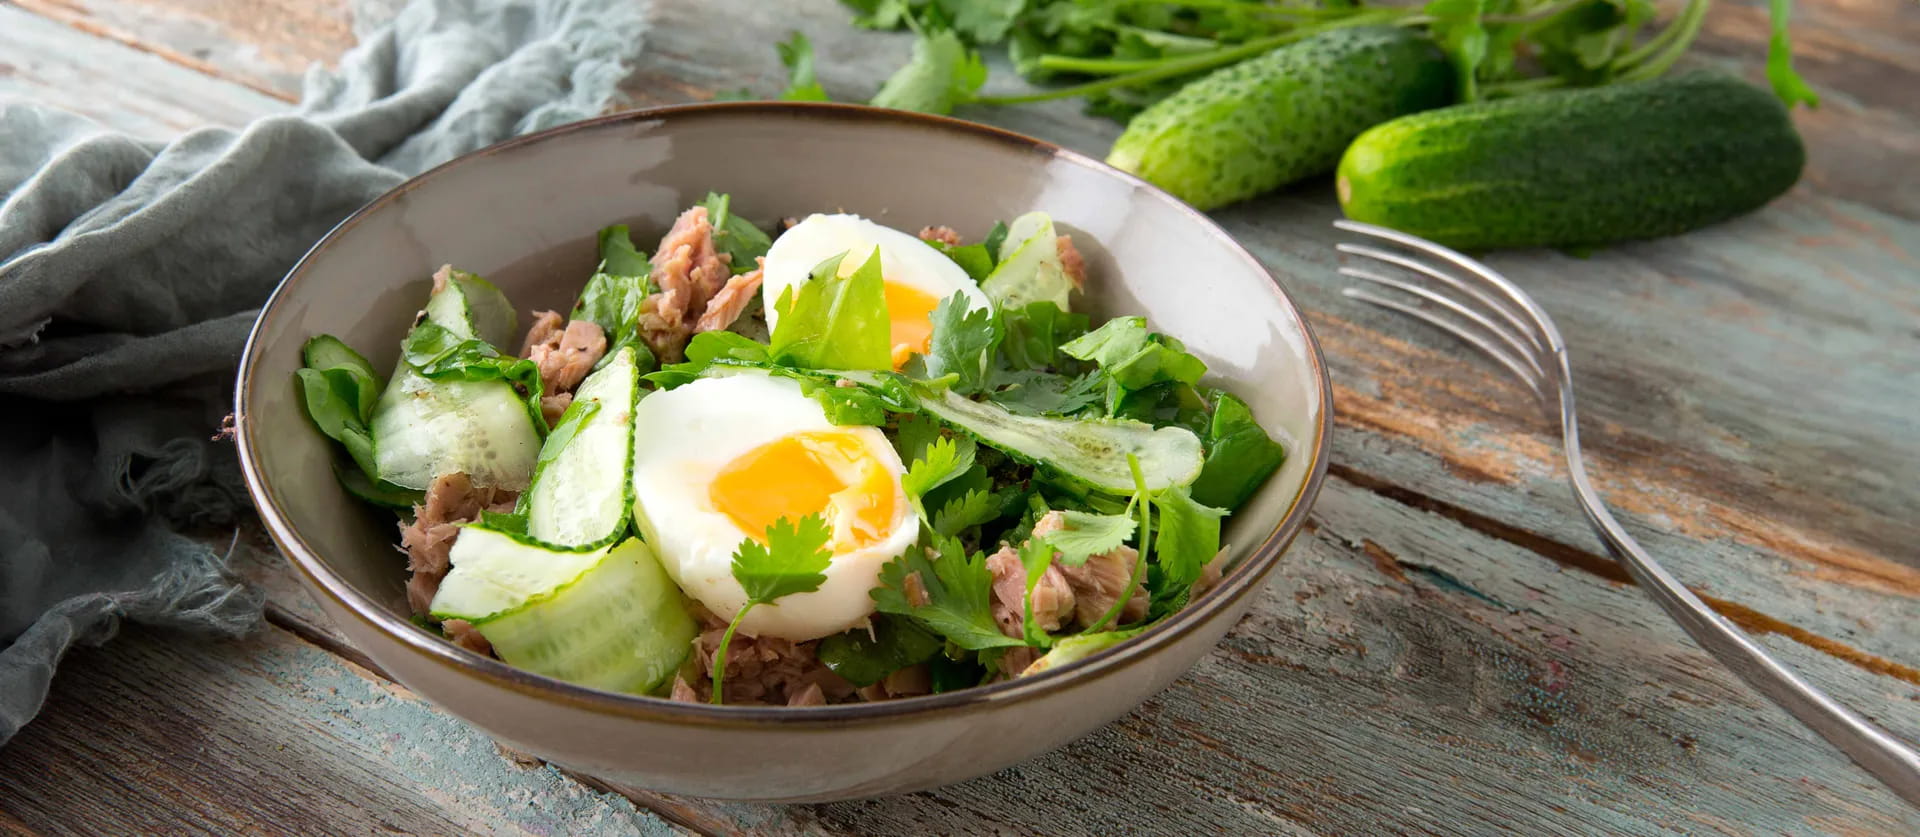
x,y
793,560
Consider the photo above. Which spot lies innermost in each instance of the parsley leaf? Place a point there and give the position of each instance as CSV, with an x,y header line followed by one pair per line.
x,y
793,560
962,345
951,593
1189,538
797,55
1088,534
743,242
835,322
942,73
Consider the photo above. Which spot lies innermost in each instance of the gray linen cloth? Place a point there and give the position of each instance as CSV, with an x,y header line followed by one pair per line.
x,y
130,271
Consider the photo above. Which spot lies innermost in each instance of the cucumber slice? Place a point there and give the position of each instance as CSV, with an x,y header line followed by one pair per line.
x,y
580,495
1030,269
424,428
1091,450
608,618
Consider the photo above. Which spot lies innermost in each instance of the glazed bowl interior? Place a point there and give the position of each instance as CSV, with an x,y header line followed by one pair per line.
x,y
524,214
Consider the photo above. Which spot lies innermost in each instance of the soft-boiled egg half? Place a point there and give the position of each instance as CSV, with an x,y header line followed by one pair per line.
x,y
718,460
917,276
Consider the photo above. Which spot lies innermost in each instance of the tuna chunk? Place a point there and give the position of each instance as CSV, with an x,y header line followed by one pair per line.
x,y
689,273
809,696
726,306
764,670
1052,598
1071,261
1099,582
467,636
564,355
555,405
452,499
1210,574
907,682
944,235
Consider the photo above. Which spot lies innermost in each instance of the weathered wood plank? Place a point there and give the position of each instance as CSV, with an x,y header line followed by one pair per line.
x,y
121,87
158,734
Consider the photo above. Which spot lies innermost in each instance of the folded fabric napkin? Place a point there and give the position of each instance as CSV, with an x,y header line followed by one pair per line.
x,y
129,274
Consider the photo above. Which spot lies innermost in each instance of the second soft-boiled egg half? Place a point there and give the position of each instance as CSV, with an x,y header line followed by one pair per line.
x,y
917,276
718,460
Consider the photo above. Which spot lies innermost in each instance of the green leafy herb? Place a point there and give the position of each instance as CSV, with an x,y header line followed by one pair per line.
x,y
612,296
733,235
1035,332
942,460
948,674
846,405
1240,456
1086,534
1189,538
972,258
338,387
1035,556
942,73
377,492
797,55
1031,392
793,560
996,238
1787,84
865,657
1456,27
1134,358
835,322
976,507
1143,506
950,594
963,344
439,354
619,257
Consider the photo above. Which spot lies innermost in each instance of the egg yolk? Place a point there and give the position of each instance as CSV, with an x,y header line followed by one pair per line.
x,y
910,321
829,473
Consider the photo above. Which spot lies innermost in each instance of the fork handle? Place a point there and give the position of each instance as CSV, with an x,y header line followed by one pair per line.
x,y
1893,762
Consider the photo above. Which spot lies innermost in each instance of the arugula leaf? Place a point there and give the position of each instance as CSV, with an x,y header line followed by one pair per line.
x,y
1189,538
963,344
1087,534
1787,84
957,592
1035,556
734,235
439,354
793,560
835,322
941,461
797,55
943,72
1034,333
864,657
974,508
1240,456
1132,357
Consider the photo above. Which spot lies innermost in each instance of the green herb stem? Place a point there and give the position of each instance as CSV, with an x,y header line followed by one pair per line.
x,y
1100,66
1521,87
1197,62
720,654
1536,15
1660,52
1140,560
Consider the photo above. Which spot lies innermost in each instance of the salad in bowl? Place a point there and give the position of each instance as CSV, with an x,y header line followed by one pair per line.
x,y
840,462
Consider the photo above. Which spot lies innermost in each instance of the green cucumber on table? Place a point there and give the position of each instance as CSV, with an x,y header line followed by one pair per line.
x,y
1262,123
1580,168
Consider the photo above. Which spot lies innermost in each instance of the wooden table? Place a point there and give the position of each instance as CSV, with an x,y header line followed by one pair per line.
x,y
1446,649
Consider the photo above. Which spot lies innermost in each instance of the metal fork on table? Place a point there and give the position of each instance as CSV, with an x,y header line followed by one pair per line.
x,y
1466,299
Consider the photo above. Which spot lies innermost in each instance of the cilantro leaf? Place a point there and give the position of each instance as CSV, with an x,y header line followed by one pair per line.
x,y
835,322
963,344
734,235
913,435
1031,392
951,593
1240,456
864,657
793,560
1787,84
973,508
1086,534
797,55
983,21
941,461
1189,538
943,72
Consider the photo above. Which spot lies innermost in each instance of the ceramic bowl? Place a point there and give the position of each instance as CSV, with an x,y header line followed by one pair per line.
x,y
524,213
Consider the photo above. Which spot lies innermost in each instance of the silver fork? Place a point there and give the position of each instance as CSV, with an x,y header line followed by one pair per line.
x,y
1466,299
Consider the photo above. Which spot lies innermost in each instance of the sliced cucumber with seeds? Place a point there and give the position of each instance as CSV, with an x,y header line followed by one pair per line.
x,y
1030,269
1091,450
424,428
608,618
580,495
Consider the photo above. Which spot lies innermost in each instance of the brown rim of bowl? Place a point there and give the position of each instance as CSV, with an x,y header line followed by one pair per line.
x,y
1242,580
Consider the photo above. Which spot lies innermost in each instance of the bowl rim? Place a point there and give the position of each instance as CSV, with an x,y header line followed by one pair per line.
x,y
1244,579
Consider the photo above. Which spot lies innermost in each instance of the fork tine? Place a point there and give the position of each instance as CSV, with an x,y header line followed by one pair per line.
x,y
1523,351
1515,366
1424,269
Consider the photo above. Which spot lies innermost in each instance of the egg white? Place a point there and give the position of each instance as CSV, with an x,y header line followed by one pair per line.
x,y
904,259
684,437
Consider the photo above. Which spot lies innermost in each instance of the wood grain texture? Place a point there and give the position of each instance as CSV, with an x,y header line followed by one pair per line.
x,y
1445,650
155,733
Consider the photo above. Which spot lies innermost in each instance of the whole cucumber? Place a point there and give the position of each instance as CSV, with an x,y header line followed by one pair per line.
x,y
1270,120
1587,167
